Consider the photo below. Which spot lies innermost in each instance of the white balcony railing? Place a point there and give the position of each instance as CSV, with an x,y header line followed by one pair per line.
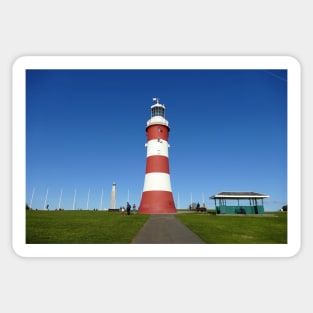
x,y
157,120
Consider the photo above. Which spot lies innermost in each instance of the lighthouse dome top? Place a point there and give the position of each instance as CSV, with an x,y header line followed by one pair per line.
x,y
157,113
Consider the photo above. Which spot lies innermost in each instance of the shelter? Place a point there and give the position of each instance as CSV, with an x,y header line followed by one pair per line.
x,y
239,202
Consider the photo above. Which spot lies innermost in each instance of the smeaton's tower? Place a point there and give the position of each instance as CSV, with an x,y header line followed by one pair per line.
x,y
157,197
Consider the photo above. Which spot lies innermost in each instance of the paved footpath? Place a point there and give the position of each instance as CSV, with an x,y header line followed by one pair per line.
x,y
165,228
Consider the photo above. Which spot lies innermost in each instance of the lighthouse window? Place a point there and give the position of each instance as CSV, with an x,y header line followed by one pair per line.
x,y
157,111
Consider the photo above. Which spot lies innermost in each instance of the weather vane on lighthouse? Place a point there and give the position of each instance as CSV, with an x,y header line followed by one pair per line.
x,y
157,197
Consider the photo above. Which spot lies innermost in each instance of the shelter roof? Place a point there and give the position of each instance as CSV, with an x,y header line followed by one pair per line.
x,y
239,195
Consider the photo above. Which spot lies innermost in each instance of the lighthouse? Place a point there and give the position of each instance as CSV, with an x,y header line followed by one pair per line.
x,y
157,197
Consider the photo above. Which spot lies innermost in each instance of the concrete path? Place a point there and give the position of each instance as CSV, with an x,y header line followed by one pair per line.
x,y
165,228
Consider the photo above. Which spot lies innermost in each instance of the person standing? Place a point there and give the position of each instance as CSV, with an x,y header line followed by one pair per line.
x,y
128,207
198,206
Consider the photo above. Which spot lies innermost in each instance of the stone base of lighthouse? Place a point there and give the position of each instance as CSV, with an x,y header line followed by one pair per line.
x,y
157,202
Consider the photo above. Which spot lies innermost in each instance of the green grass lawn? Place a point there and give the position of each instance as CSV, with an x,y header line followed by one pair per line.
x,y
213,229
101,227
80,227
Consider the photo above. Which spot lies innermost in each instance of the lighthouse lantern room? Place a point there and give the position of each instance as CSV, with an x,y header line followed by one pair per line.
x,y
157,197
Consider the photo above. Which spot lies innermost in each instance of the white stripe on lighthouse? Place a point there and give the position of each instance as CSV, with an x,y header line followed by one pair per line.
x,y
157,181
157,147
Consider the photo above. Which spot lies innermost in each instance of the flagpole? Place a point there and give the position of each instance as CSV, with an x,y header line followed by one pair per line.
x,y
88,198
31,199
74,200
60,199
101,199
46,199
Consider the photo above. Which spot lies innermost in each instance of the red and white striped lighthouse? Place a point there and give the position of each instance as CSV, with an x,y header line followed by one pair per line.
x,y
157,197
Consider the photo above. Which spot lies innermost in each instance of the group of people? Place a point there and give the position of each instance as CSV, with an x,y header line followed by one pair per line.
x,y
197,207
128,208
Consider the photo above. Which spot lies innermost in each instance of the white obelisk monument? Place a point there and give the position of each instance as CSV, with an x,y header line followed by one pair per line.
x,y
113,197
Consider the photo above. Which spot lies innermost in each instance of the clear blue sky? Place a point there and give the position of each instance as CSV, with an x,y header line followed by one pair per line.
x,y
85,129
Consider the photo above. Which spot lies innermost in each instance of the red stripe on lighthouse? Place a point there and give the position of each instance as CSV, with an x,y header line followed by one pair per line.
x,y
157,131
157,163
157,202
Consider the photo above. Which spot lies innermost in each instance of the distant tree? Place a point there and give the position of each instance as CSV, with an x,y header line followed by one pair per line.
x,y
27,207
284,208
